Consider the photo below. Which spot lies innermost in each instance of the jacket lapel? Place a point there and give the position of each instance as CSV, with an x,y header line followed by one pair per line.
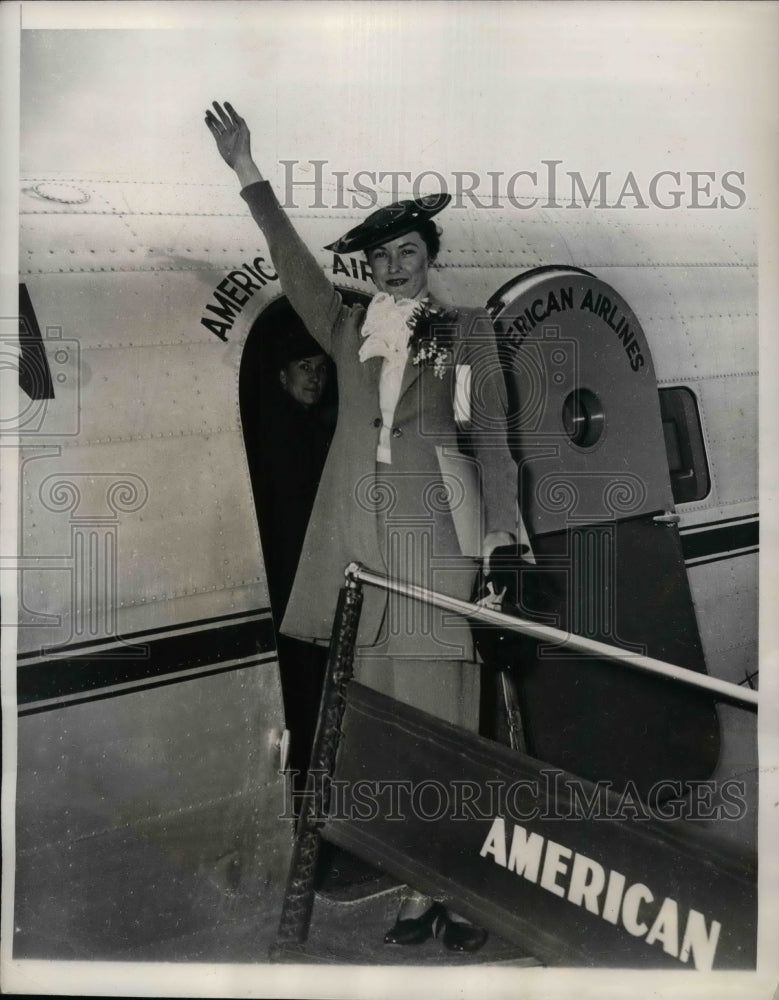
x,y
412,372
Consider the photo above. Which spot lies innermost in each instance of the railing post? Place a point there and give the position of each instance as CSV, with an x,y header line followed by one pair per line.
x,y
299,893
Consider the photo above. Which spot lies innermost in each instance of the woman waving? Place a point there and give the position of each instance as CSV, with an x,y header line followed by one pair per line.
x,y
383,499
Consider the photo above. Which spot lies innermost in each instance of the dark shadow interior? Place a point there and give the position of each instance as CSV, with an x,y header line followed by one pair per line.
x,y
258,376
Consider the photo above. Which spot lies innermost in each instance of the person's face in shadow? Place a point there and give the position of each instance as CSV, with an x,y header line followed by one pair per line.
x,y
305,379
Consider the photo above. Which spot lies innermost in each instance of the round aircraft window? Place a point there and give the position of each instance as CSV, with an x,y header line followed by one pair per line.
x,y
583,418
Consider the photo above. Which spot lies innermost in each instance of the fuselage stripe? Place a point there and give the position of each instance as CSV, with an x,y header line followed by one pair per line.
x,y
720,540
125,639
117,692
61,677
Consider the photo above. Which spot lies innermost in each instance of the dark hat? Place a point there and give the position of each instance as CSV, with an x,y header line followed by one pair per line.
x,y
388,223
292,344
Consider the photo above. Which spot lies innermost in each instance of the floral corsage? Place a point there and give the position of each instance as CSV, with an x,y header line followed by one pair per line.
x,y
432,337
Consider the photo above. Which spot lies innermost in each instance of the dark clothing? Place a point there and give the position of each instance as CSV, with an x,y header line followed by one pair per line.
x,y
292,445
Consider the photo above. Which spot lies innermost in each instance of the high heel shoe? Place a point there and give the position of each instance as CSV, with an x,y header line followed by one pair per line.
x,y
461,937
415,930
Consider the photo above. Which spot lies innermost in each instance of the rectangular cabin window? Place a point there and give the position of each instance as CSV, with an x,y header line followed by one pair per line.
x,y
684,444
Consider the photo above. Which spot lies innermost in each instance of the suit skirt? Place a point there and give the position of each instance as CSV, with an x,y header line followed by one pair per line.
x,y
423,656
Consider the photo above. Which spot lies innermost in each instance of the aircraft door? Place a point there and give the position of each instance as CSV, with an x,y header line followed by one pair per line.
x,y
596,498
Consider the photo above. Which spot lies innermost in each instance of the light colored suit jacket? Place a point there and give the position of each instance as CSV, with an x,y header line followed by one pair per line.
x,y
355,515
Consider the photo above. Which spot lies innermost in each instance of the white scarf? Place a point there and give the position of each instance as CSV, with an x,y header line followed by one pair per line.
x,y
386,333
386,330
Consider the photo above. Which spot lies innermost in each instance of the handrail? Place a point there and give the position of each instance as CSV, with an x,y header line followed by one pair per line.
x,y
743,697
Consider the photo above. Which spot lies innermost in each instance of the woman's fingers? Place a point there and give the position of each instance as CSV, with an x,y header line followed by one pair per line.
x,y
213,124
223,116
491,599
235,117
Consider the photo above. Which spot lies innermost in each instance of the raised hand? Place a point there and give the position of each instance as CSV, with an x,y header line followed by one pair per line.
x,y
231,133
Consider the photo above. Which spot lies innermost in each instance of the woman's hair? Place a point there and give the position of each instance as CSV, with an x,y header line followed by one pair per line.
x,y
431,237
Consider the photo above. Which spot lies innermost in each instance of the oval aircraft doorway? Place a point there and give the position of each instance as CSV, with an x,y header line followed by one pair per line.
x,y
595,494
287,435
259,389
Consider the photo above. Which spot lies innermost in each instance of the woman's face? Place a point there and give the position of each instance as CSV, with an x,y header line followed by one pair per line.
x,y
305,379
400,266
